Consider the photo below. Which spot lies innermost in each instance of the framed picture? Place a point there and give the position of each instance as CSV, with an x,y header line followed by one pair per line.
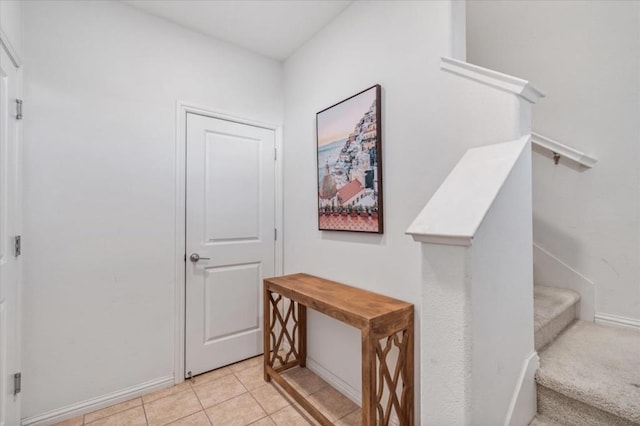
x,y
349,144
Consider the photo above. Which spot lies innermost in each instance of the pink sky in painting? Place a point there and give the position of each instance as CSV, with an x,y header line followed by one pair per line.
x,y
337,122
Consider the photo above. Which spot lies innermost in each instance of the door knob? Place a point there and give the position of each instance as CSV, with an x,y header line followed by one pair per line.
x,y
195,257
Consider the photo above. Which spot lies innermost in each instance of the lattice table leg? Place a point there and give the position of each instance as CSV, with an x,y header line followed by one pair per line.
x,y
368,379
285,333
389,379
302,335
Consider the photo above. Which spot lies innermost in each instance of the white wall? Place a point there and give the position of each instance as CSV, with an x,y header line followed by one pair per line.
x,y
398,45
11,23
586,57
102,80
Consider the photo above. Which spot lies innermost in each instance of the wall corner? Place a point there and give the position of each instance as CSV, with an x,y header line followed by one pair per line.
x,y
459,29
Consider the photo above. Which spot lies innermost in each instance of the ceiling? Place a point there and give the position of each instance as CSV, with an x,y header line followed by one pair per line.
x,y
274,28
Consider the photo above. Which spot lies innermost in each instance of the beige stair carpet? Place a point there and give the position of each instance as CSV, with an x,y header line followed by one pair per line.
x,y
541,420
565,411
596,365
554,309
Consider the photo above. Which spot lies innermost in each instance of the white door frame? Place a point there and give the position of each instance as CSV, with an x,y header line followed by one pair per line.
x,y
8,48
182,108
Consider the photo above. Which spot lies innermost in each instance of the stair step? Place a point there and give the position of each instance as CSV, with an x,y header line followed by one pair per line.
x,y
554,310
590,375
540,420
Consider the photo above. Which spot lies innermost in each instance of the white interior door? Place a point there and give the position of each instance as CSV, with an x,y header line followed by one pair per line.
x,y
9,225
230,223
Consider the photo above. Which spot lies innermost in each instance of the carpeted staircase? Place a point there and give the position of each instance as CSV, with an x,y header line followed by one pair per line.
x,y
589,374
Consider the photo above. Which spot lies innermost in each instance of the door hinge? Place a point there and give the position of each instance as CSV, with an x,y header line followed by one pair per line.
x,y
18,109
17,246
275,234
275,153
17,383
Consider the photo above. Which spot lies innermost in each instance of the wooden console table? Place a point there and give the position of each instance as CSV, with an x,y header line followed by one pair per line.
x,y
385,324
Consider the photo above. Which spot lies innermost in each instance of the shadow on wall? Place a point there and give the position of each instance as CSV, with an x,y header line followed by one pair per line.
x,y
571,248
355,238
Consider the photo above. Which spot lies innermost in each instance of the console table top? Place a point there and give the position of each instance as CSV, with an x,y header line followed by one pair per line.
x,y
358,307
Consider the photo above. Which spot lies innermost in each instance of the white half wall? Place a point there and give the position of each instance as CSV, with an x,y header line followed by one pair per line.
x,y
586,56
102,81
397,45
477,305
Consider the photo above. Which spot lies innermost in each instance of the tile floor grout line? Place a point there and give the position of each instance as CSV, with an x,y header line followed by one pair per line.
x,y
198,398
204,410
225,400
144,410
111,415
261,418
247,391
348,414
318,390
115,414
262,406
184,417
278,410
259,405
167,396
190,389
240,381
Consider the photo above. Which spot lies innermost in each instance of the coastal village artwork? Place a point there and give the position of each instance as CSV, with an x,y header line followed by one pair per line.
x,y
349,164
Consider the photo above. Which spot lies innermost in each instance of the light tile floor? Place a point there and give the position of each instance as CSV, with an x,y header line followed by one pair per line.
x,y
233,395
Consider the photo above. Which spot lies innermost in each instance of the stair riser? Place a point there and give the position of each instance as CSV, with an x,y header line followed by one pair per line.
x,y
570,412
547,333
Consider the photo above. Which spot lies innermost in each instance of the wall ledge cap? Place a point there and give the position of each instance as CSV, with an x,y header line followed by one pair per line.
x,y
507,83
447,240
456,211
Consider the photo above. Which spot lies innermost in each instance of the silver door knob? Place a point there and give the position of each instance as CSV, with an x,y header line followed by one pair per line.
x,y
195,257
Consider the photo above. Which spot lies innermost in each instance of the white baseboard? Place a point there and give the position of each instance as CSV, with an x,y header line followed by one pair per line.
x,y
550,271
336,382
606,319
90,405
523,406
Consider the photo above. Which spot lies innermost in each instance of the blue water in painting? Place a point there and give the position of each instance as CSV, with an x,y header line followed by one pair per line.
x,y
329,153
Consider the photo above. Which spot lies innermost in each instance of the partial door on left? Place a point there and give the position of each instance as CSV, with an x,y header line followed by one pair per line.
x,y
9,259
